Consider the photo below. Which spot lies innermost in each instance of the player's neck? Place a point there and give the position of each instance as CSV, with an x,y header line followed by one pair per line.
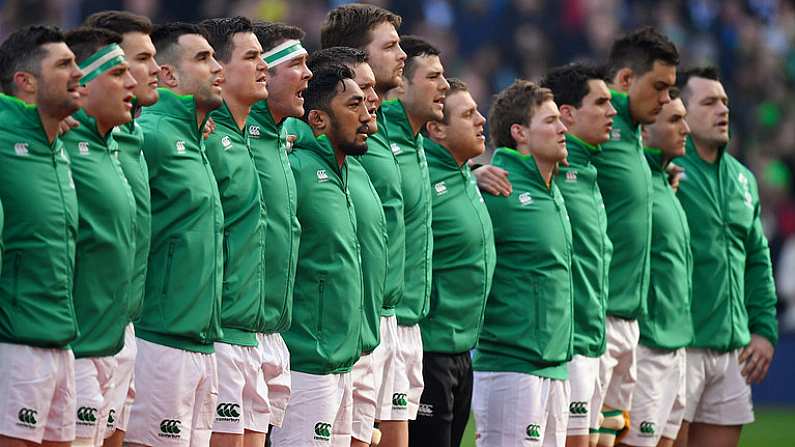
x,y
238,109
708,152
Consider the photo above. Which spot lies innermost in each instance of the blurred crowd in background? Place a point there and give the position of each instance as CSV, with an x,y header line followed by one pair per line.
x,y
489,43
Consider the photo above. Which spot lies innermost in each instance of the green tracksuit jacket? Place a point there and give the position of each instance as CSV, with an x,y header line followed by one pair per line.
x,y
382,167
371,230
243,299
130,138
528,326
416,189
325,337
733,290
282,230
667,324
625,181
39,234
182,305
105,239
590,264
463,256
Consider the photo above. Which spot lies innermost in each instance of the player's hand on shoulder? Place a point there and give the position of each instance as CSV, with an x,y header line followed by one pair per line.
x,y
493,180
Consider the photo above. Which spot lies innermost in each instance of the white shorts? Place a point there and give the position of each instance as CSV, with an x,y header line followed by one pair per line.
x,y
242,393
515,409
584,407
408,382
94,380
320,412
37,386
366,376
716,390
122,392
388,356
275,360
617,368
655,412
175,398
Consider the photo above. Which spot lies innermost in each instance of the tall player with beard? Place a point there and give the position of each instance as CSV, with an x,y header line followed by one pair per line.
x,y
374,29
175,371
327,306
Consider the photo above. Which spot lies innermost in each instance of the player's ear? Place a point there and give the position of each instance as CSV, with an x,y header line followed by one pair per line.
x,y
519,133
436,130
318,120
25,82
567,113
624,78
168,76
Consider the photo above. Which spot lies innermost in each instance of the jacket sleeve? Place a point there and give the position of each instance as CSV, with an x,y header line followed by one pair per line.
x,y
760,290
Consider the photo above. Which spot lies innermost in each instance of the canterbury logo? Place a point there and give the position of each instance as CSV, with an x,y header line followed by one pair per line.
x,y
399,400
323,431
87,414
578,408
111,418
27,416
533,431
647,427
253,131
228,410
171,426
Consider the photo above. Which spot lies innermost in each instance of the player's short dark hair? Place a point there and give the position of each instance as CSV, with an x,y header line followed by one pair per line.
x,y
122,22
22,51
323,87
350,25
515,104
414,47
639,50
569,83
683,77
336,55
220,33
85,41
456,86
165,37
271,34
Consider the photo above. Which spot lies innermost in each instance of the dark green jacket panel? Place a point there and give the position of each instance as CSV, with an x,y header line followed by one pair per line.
x,y
463,256
105,251
243,296
625,181
668,323
130,138
733,290
592,249
416,189
283,231
528,326
325,337
40,232
182,306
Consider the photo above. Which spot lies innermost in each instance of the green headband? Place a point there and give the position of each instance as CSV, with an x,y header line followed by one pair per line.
x,y
103,60
283,52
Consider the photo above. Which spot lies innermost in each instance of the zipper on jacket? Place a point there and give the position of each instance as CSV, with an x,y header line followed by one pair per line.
x,y
70,263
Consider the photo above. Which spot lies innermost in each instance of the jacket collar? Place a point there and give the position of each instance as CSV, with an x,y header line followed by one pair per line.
x,y
305,140
527,163
441,155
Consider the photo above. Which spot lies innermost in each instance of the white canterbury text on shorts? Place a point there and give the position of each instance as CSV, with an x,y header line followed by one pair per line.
x,y
94,380
175,399
320,412
584,406
363,382
242,393
517,409
617,367
37,386
122,391
388,355
661,377
275,358
716,390
408,384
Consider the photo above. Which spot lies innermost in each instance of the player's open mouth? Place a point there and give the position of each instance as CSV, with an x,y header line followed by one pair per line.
x,y
480,135
128,102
